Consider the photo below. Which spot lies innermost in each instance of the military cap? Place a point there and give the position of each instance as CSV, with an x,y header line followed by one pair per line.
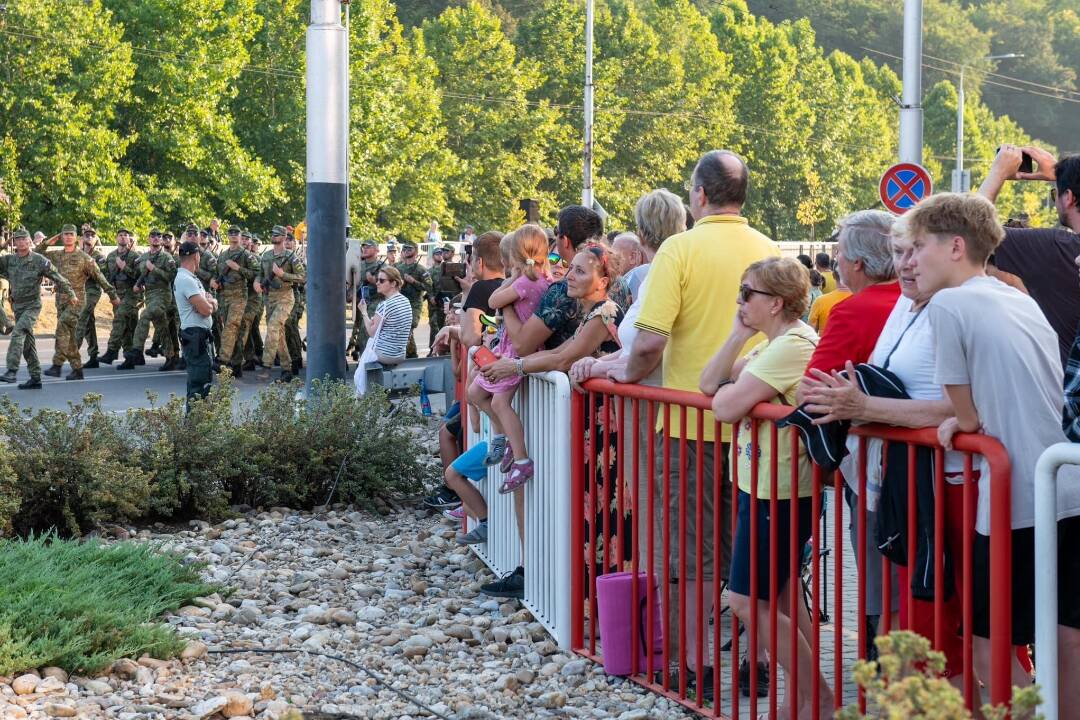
x,y
408,244
69,228
187,248
204,233
448,249
168,235
369,243
391,245
233,230
245,233
279,230
88,228
191,228
155,233
436,251
21,232
125,231
256,238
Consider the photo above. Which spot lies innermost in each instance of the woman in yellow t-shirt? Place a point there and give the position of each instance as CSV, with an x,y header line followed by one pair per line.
x,y
772,298
823,306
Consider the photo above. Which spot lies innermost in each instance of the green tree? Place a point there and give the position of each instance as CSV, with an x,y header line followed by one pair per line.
x,y
500,137
63,72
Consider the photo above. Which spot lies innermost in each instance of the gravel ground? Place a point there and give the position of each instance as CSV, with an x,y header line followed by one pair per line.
x,y
391,593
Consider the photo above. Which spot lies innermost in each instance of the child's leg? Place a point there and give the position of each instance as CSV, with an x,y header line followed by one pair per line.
x,y
510,422
481,398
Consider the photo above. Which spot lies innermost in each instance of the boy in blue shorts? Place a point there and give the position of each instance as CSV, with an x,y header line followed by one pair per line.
x,y
460,476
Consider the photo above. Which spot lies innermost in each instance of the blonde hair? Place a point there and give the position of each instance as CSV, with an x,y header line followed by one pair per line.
x,y
529,249
659,214
969,216
392,274
785,278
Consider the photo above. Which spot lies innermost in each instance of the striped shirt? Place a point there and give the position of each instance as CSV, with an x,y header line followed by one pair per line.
x,y
396,326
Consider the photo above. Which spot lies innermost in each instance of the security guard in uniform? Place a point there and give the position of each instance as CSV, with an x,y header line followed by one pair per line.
x,y
417,287
280,270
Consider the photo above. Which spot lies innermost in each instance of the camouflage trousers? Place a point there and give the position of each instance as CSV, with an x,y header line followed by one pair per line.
x,y
157,311
410,347
231,308
279,305
125,320
249,341
87,327
67,322
292,332
22,342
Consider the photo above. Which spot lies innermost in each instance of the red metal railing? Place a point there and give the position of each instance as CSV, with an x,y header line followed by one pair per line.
x,y
606,462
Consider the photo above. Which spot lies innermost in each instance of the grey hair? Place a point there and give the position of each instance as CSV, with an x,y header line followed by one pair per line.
x,y
658,214
866,235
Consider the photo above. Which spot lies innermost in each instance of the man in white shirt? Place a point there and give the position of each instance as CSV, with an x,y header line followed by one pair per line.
x,y
997,359
196,310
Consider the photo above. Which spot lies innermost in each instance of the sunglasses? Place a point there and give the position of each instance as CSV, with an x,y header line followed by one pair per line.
x,y
556,259
745,293
379,281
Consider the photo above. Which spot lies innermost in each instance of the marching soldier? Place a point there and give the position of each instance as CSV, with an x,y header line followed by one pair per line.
x,y
206,272
156,269
292,325
77,267
120,270
250,340
391,251
370,264
435,319
237,267
417,286
87,327
280,271
24,271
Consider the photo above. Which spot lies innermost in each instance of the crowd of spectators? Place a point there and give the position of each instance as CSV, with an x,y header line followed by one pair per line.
x,y
969,324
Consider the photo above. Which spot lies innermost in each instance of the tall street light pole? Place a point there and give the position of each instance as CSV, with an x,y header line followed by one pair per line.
x,y
911,113
961,180
587,179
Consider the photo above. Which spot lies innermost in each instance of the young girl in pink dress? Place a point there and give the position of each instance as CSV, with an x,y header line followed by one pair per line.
x,y
526,250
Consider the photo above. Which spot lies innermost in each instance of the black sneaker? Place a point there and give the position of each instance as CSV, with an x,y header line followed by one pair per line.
x,y
762,678
511,585
691,684
445,499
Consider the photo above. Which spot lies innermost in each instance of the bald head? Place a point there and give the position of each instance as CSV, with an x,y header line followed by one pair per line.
x,y
723,178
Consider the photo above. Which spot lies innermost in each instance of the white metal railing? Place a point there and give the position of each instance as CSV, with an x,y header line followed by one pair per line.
x,y
543,404
1046,569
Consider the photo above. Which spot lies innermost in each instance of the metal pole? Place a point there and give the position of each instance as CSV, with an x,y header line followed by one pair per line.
x,y
327,183
1046,568
911,114
958,174
587,184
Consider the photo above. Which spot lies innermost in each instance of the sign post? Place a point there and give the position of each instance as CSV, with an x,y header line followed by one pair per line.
x,y
903,186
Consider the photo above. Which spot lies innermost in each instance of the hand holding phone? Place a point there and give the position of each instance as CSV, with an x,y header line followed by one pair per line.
x,y
483,357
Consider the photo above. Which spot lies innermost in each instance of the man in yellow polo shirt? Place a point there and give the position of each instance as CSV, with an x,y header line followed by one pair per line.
x,y
687,314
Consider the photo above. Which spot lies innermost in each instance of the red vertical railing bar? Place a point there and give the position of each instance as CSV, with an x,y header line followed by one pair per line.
x,y
967,610
684,538
939,545
577,521
635,509
752,643
666,575
815,599
591,516
650,559
463,405
718,504
620,473
1000,578
838,591
861,602
885,621
603,436
793,572
734,520
912,534
700,638
774,561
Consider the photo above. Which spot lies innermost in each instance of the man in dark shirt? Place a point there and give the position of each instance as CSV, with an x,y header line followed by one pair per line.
x,y
1043,258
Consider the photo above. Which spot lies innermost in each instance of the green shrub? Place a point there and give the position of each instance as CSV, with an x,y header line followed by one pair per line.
x,y
70,467
81,606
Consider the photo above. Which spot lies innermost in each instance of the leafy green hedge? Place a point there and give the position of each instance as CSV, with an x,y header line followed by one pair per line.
x,y
77,469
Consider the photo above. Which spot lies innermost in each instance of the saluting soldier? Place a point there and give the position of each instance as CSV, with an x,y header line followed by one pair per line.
x,y
417,286
77,267
121,271
280,271
237,267
156,269
292,325
87,327
24,271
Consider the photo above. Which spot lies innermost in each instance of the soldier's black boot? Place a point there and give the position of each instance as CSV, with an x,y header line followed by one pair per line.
x,y
216,365
108,358
54,371
8,377
286,377
75,375
237,370
170,364
91,364
33,383
131,359
296,367
249,365
154,351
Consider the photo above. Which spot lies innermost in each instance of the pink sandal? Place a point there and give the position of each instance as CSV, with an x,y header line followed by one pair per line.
x,y
520,473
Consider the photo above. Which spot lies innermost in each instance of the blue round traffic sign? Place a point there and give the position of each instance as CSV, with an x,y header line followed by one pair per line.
x,y
903,186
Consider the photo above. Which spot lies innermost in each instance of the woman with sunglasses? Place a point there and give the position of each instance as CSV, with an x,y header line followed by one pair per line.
x,y
772,298
390,326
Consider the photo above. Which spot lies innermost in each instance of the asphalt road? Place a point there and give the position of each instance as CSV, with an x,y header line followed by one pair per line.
x,y
121,390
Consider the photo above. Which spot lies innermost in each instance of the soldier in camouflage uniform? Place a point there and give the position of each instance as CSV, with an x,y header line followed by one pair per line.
x,y
435,320
77,267
250,339
24,270
417,286
237,267
370,264
292,325
156,269
280,271
121,272
87,326
208,265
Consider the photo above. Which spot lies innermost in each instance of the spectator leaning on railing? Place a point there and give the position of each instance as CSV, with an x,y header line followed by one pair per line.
x,y
687,314
996,357
772,298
